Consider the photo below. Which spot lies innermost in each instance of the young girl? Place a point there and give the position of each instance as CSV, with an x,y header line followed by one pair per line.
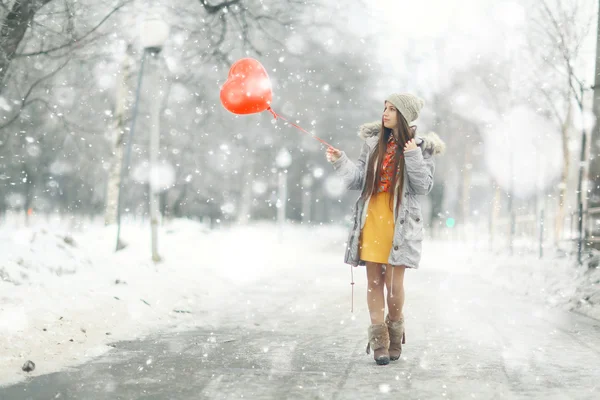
x,y
395,167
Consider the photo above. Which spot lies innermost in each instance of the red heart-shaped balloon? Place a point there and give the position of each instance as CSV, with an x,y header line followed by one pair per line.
x,y
248,88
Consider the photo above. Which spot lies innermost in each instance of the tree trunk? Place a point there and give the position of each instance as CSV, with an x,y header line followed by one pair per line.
x,y
466,190
118,136
246,198
436,209
176,208
29,193
14,26
494,212
163,205
594,147
560,215
2,210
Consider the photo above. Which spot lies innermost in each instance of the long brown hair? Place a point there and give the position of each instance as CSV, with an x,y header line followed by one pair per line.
x,y
405,133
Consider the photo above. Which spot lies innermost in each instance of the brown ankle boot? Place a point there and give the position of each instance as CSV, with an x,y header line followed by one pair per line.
x,y
396,332
379,341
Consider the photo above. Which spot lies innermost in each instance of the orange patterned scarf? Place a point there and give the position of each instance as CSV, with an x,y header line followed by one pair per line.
x,y
388,165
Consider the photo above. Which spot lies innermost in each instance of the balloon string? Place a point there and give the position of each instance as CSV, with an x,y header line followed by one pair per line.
x,y
275,115
352,283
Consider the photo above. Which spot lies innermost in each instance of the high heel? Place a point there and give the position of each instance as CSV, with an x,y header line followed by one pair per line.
x,y
397,337
379,341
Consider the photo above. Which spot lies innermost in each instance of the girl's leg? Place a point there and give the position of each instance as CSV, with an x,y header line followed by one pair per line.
x,y
394,282
375,298
379,337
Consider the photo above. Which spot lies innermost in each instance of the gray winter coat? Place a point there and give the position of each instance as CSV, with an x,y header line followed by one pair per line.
x,y
418,181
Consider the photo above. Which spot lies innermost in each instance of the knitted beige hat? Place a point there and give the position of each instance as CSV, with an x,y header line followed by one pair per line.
x,y
408,105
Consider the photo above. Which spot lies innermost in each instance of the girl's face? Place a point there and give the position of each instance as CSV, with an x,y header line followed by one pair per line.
x,y
390,116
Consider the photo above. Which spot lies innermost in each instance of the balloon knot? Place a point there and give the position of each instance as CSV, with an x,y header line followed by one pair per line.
x,y
272,112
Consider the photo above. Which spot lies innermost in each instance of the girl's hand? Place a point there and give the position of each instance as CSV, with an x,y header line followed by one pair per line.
x,y
333,154
410,145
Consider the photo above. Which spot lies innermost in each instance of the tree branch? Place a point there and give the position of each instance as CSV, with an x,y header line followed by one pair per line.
x,y
263,30
14,27
553,107
76,40
243,24
215,9
565,52
24,99
214,46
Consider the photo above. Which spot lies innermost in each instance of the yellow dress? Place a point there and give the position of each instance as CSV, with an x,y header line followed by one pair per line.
x,y
378,233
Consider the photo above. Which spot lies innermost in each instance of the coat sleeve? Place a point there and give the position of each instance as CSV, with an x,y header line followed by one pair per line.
x,y
353,174
420,168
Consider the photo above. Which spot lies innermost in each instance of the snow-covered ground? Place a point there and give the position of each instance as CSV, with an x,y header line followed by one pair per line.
x,y
65,295
555,279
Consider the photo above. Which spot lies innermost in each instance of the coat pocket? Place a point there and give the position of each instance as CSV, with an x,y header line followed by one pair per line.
x,y
414,225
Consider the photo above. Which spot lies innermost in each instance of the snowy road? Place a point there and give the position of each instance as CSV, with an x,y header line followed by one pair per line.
x,y
289,335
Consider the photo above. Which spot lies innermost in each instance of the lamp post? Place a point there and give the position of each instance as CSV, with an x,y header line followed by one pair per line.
x,y
318,212
511,211
153,35
307,182
583,163
283,161
155,32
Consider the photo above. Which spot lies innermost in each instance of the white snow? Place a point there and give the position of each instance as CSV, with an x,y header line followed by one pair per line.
x,y
58,284
62,281
554,280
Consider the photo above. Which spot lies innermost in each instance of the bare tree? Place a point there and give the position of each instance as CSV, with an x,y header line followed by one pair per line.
x,y
558,32
83,129
117,137
16,18
42,44
594,169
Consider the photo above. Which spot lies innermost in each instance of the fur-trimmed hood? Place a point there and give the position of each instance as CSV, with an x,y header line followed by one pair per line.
x,y
427,141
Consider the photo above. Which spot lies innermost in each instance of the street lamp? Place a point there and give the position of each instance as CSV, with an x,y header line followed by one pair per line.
x,y
283,161
154,32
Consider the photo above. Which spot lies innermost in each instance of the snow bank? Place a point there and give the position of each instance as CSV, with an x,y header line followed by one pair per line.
x,y
554,280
